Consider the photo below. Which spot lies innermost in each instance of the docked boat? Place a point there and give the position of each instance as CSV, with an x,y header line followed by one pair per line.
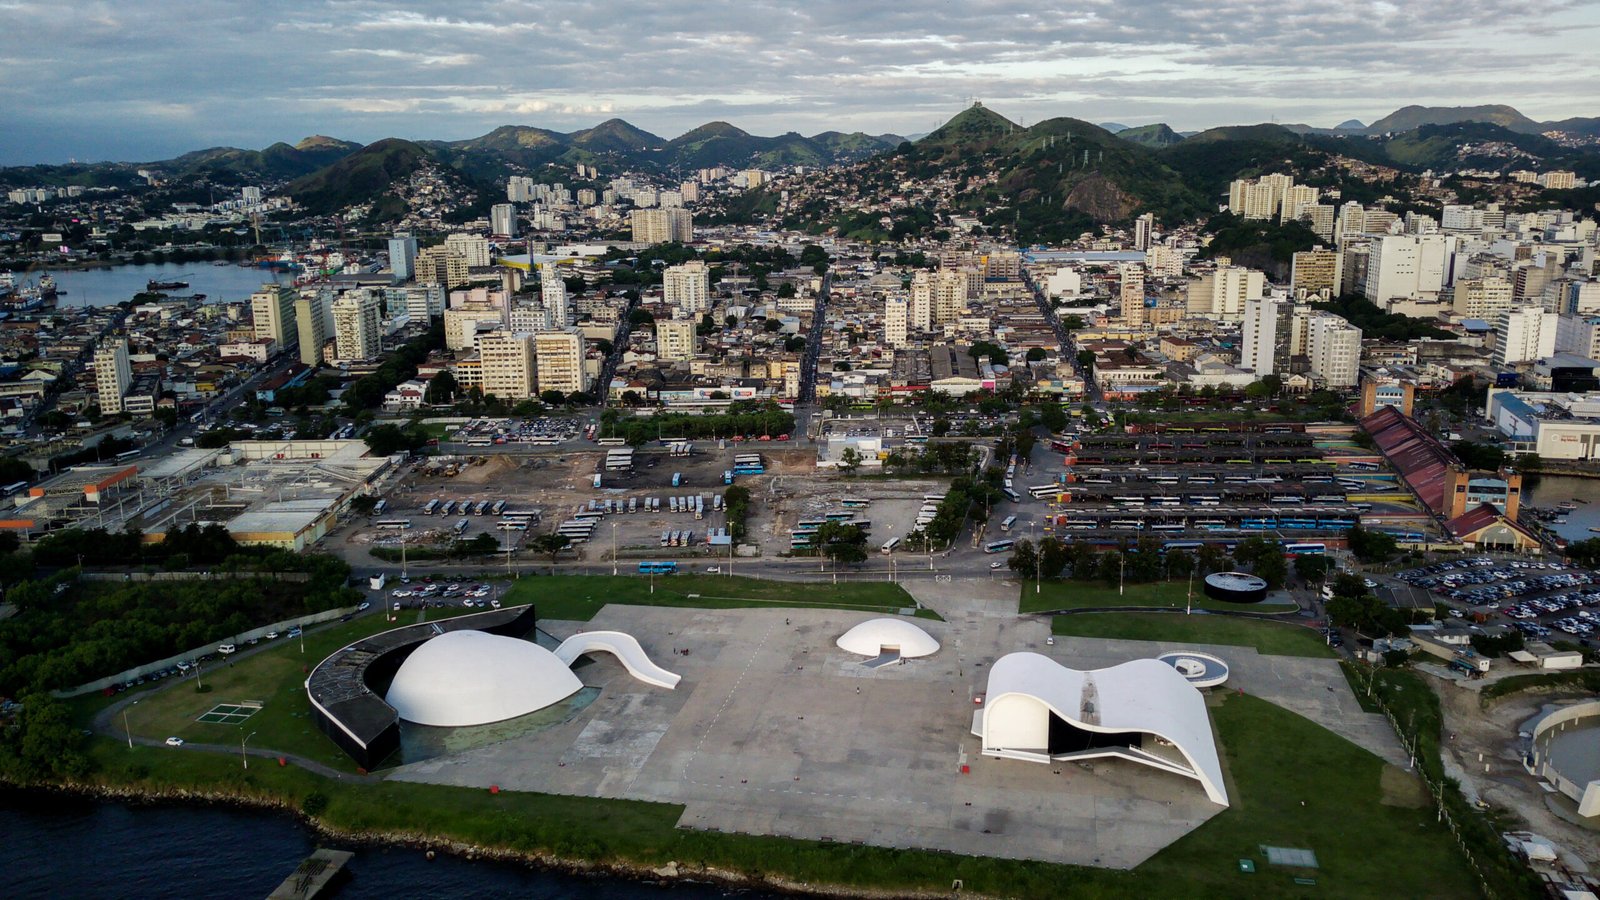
x,y
153,285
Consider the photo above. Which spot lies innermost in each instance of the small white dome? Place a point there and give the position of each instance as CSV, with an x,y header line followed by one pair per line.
x,y
873,636
473,678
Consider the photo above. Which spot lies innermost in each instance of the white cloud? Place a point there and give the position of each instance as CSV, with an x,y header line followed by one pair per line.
x,y
248,74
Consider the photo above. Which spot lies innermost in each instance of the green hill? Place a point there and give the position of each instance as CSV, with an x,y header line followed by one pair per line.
x,y
362,177
1448,146
1157,135
231,165
1408,118
615,136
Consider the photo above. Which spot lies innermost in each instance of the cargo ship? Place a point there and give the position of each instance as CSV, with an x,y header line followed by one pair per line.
x,y
153,285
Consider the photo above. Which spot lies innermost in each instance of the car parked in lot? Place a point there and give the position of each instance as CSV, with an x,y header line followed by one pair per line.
x,y
225,649
174,741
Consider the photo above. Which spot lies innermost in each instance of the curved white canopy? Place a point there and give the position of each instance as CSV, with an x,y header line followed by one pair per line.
x,y
1144,696
625,647
473,678
872,637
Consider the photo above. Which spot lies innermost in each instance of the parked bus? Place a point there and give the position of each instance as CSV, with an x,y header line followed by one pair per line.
x,y
13,488
379,507
854,502
461,527
392,523
431,507
889,545
1041,491
1309,549
479,440
1007,523
998,546
498,507
1012,496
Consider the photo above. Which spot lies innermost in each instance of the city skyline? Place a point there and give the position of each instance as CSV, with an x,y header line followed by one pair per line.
x,y
147,81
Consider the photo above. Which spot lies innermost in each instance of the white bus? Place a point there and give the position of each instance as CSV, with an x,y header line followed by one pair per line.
x,y
998,546
1007,523
889,545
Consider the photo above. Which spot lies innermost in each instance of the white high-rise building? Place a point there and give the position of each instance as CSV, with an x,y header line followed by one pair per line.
x,y
403,256
687,287
1131,294
1263,333
675,339
506,359
920,312
558,357
1407,266
1482,298
113,375
470,247
1142,229
660,226
314,322
503,219
949,296
553,294
272,314
357,326
529,318
1221,294
1578,334
896,315
1334,347
1524,334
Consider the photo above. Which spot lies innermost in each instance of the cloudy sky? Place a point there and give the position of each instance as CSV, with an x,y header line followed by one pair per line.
x,y
147,79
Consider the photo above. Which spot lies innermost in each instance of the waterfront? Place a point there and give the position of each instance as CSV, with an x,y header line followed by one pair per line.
x,y
176,851
112,285
1552,489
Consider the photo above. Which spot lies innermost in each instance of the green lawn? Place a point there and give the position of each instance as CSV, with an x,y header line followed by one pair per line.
x,y
276,677
578,597
1095,594
1276,760
1273,638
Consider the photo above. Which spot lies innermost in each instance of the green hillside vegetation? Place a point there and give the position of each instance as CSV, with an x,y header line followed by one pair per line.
x,y
1264,133
1256,243
1375,323
1054,179
1408,118
1158,135
1207,165
361,177
277,162
1435,146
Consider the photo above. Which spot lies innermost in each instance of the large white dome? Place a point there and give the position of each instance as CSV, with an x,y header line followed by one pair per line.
x,y
474,678
872,637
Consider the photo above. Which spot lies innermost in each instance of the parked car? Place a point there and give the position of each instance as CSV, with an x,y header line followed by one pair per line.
x,y
225,649
174,742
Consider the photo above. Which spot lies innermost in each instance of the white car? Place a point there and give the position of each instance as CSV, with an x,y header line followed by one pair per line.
x,y
272,635
225,649
714,570
997,565
174,742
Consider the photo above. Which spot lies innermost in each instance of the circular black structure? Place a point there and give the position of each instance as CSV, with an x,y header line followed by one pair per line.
x,y
1235,587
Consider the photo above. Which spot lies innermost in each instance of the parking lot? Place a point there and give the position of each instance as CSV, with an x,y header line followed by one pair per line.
x,y
1542,599
545,430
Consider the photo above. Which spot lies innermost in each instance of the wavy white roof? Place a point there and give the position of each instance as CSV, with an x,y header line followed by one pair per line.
x,y
473,678
1145,695
871,637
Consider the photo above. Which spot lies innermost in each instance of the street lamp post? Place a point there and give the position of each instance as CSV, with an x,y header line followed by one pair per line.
x,y
242,756
125,729
613,549
1038,561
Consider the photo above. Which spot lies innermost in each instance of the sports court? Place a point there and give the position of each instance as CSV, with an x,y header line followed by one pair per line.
x,y
230,713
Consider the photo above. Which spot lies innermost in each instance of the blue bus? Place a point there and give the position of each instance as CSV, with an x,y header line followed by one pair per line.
x,y
998,546
658,568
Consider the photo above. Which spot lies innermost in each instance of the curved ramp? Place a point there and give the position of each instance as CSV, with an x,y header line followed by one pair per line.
x,y
625,647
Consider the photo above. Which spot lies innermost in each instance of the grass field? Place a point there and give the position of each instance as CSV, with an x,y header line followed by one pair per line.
x,y
578,597
1162,594
1273,638
1276,761
276,678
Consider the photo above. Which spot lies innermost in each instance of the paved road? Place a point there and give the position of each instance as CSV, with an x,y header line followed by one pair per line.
x,y
108,721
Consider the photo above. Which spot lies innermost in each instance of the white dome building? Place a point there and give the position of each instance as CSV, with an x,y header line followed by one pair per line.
x,y
876,637
465,678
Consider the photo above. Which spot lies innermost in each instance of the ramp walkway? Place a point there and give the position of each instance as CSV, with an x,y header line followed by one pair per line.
x,y
883,659
625,647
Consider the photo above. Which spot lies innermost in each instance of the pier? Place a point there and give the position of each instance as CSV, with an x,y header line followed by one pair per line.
x,y
314,876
